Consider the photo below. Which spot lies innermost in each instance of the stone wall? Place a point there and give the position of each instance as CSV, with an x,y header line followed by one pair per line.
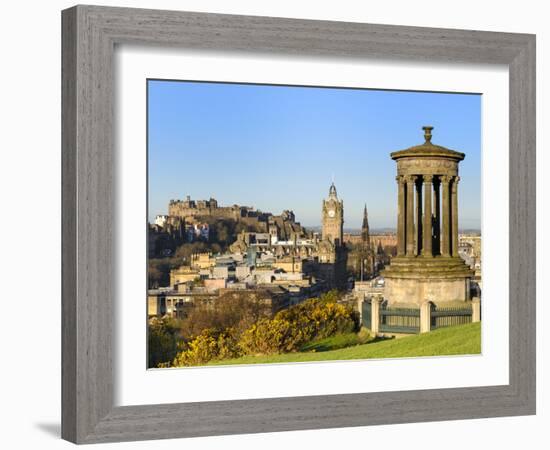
x,y
183,209
417,291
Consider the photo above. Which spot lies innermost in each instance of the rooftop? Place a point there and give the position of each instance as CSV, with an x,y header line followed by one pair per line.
x,y
428,149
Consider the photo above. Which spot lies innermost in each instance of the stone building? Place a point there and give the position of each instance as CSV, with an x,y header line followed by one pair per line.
x,y
210,209
361,251
197,214
333,218
290,264
427,265
384,240
353,239
285,228
202,261
176,302
183,274
331,251
160,220
469,248
293,249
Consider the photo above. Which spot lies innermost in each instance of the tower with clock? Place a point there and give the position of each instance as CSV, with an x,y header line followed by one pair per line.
x,y
333,218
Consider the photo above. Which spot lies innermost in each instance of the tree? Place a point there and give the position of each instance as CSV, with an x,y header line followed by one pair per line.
x,y
158,270
236,310
162,341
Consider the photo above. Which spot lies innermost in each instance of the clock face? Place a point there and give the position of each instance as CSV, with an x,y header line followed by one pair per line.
x,y
331,213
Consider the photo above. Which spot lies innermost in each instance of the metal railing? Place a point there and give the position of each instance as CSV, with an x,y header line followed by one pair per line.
x,y
409,320
399,320
450,316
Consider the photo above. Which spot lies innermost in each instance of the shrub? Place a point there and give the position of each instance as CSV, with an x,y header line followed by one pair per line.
x,y
364,335
331,296
319,318
269,336
286,332
207,346
290,329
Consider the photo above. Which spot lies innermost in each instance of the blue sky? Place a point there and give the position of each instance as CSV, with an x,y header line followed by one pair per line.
x,y
278,147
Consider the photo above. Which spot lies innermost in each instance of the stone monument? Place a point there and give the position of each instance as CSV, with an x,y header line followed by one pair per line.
x,y
427,265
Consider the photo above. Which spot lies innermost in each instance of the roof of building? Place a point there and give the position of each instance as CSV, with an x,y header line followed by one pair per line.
x,y
428,149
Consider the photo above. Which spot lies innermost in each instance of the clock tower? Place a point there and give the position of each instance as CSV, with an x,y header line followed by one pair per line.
x,y
333,218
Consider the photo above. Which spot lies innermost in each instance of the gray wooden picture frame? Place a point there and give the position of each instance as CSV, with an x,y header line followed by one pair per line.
x,y
90,34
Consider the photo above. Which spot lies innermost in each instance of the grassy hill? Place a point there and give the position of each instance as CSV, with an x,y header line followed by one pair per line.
x,y
459,340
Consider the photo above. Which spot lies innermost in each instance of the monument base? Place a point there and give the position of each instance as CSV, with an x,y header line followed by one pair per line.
x,y
412,280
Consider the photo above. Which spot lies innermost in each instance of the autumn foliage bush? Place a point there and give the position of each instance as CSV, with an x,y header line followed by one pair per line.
x,y
236,310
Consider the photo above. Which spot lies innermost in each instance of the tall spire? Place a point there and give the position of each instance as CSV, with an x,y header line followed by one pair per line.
x,y
365,218
365,234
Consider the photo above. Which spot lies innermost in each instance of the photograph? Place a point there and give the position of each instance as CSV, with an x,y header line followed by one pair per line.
x,y
294,224
275,225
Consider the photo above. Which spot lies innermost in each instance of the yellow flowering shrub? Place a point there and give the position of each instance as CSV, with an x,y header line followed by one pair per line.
x,y
286,332
207,346
291,328
269,336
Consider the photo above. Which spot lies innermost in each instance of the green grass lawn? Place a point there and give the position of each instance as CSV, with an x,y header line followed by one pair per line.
x,y
459,340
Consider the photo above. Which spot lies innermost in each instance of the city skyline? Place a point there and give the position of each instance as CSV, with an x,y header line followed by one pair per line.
x,y
279,147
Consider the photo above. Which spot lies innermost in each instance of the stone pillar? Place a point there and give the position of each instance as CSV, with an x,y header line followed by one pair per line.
x,y
375,315
476,309
360,301
445,225
410,215
436,218
400,216
454,217
418,216
426,316
427,228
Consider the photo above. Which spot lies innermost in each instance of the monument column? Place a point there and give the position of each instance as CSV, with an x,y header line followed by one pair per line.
x,y
454,216
445,235
427,232
418,216
400,216
436,246
410,215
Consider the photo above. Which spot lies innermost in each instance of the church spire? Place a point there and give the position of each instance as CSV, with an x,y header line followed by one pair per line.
x,y
365,218
365,233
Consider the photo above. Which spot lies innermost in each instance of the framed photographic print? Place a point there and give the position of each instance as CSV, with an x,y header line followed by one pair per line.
x,y
267,222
